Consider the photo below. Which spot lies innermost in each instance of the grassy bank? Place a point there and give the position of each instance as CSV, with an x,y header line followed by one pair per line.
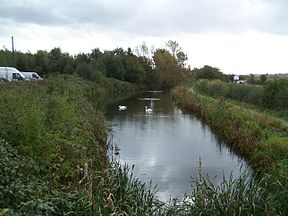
x,y
53,149
265,148
271,98
255,139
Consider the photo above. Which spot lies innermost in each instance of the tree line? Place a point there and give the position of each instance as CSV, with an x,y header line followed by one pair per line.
x,y
163,69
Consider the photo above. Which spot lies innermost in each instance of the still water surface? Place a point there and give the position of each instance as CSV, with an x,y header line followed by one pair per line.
x,y
166,145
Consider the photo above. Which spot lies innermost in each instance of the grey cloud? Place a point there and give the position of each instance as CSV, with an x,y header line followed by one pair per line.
x,y
203,16
32,15
143,17
94,14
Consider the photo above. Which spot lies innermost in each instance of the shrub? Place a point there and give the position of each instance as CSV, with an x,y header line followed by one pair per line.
x,y
244,93
276,94
51,127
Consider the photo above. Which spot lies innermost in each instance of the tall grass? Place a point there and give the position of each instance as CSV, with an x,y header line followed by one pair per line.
x,y
273,95
53,154
249,94
126,195
263,147
242,196
240,131
50,127
114,191
240,128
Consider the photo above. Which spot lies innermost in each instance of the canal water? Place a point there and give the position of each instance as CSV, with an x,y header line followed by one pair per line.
x,y
167,144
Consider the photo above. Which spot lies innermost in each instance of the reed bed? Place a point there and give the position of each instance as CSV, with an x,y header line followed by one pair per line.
x,y
242,196
262,146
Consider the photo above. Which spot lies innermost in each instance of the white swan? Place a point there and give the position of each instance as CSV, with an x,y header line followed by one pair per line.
x,y
121,107
148,110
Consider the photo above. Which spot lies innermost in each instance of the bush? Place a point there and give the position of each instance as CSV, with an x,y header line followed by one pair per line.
x,y
243,93
51,128
276,94
20,189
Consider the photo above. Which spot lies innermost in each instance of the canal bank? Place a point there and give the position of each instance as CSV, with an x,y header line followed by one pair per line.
x,y
53,152
240,129
264,148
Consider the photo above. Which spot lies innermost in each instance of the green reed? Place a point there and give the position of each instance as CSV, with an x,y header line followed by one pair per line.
x,y
241,196
263,147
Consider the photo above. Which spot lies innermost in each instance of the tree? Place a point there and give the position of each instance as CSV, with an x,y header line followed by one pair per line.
x,y
67,63
129,51
167,71
208,72
177,52
181,58
119,51
263,78
144,49
112,65
85,70
6,57
173,47
54,60
276,94
96,53
230,77
251,79
41,62
134,71
23,61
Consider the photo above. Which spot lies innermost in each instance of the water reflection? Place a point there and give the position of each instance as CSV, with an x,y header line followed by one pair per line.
x,y
166,145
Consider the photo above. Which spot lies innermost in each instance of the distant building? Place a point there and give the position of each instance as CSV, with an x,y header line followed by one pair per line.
x,y
236,78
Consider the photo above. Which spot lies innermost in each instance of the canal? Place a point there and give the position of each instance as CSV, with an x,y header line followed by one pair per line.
x,y
166,145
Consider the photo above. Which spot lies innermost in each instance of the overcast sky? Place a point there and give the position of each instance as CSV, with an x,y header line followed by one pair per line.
x,y
237,36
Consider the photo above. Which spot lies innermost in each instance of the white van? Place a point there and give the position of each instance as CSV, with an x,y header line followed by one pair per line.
x,y
31,75
10,74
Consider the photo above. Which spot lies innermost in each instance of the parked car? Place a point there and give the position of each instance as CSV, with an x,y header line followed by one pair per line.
x,y
31,75
10,74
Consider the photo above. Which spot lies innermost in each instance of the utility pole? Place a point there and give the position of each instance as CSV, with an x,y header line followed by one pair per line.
x,y
13,54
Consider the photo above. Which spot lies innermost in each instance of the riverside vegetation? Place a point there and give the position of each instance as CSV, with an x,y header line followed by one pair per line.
x,y
53,147
273,96
264,146
48,129
53,133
